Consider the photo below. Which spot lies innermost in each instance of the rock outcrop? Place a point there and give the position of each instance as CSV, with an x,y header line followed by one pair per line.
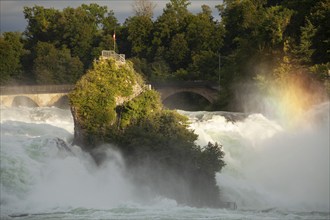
x,y
111,104
97,95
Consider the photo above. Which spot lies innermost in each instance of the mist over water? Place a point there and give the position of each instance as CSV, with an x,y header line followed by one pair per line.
x,y
38,174
269,166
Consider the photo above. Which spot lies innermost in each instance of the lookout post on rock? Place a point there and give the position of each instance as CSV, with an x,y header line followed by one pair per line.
x,y
106,54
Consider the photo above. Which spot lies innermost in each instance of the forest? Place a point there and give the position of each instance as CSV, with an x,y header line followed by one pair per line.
x,y
254,40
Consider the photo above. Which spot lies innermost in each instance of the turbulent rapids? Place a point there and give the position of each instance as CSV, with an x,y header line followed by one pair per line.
x,y
273,170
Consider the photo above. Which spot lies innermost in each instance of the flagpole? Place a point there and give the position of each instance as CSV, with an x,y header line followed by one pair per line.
x,y
114,41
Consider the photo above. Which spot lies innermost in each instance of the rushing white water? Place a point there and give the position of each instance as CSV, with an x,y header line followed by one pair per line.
x,y
269,166
272,172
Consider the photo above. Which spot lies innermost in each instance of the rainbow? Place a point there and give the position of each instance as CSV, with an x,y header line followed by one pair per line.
x,y
293,96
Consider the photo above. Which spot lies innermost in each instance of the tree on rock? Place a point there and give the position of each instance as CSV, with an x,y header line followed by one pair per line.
x,y
111,104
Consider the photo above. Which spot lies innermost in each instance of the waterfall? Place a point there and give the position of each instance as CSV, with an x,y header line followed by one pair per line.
x,y
270,166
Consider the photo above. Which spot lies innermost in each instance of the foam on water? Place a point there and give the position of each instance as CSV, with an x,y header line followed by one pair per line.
x,y
37,175
268,166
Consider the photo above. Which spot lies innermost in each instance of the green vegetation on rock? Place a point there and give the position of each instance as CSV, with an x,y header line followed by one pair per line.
x,y
139,108
111,104
94,98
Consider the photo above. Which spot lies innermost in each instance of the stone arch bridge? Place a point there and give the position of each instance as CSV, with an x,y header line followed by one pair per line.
x,y
208,90
56,95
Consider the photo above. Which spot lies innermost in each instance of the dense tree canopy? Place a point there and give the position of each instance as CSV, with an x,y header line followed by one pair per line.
x,y
56,66
11,52
252,38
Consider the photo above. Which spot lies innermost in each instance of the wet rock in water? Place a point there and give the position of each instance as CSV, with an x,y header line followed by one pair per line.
x,y
63,147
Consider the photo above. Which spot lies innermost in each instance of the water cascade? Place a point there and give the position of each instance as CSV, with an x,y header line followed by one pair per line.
x,y
273,171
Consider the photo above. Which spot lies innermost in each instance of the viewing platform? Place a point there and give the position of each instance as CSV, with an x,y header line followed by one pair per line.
x,y
106,54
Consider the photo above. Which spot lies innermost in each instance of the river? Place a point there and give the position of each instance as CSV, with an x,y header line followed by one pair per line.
x,y
274,170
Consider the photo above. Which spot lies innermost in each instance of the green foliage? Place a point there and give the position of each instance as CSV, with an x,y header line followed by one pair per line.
x,y
95,107
270,31
42,24
79,29
144,132
159,130
304,51
140,108
223,101
211,158
254,33
11,51
320,16
7,57
179,45
203,33
177,36
178,51
139,34
322,73
157,71
141,66
163,142
160,71
204,66
55,66
310,16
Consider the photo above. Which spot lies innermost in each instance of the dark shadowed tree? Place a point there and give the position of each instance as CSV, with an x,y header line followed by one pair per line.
x,y
11,51
42,25
139,34
178,52
255,34
56,66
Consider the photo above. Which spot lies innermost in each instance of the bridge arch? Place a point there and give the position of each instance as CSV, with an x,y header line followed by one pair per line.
x,y
188,101
22,100
49,95
35,100
209,94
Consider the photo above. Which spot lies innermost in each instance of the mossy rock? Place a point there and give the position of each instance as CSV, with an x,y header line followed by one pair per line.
x,y
112,104
94,98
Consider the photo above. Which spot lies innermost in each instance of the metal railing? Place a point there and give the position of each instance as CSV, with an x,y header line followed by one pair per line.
x,y
110,53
